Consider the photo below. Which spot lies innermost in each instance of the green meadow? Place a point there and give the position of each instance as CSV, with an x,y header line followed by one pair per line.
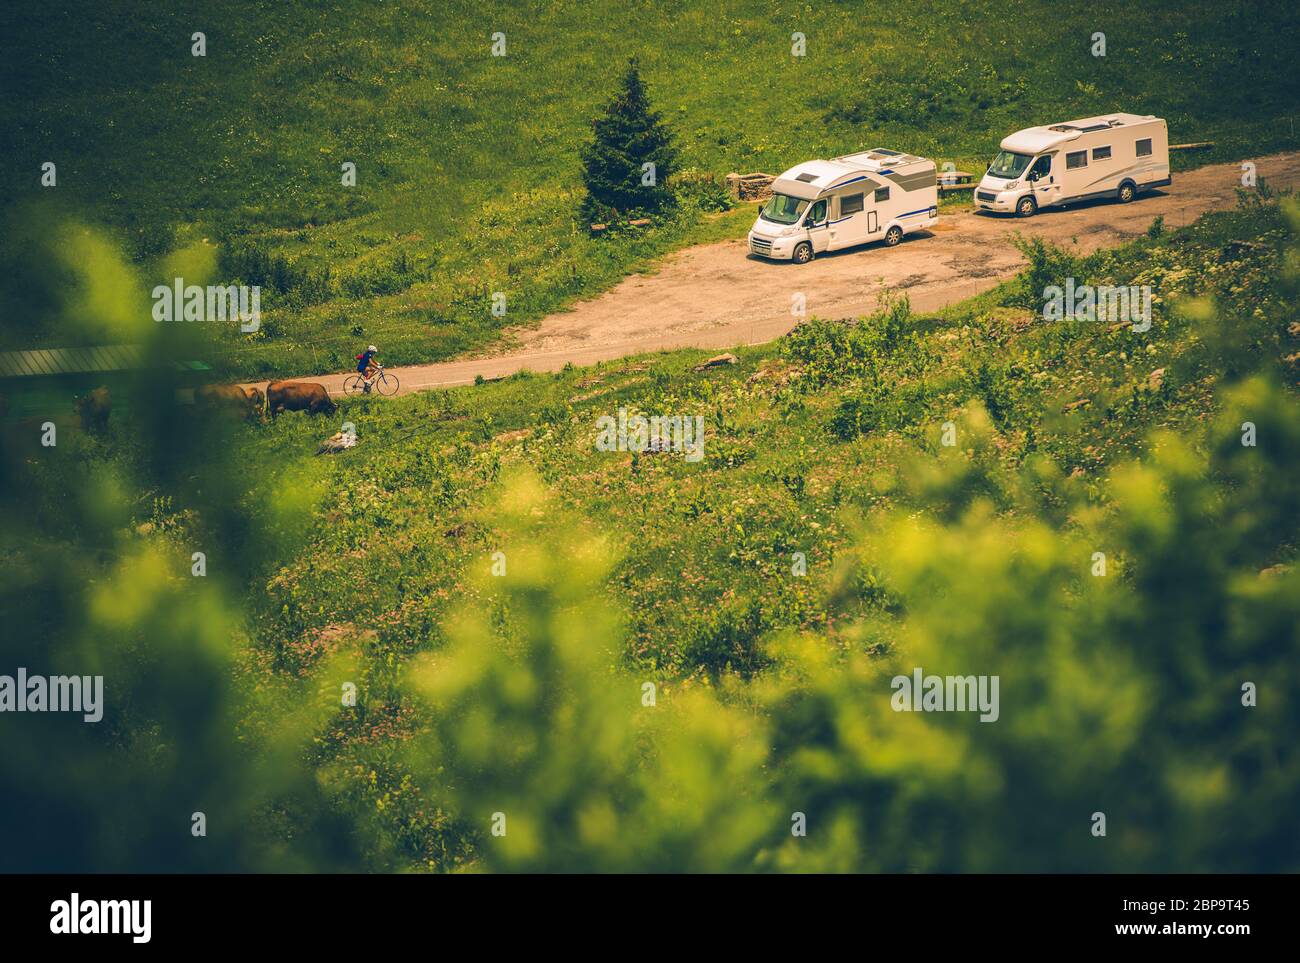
x,y
467,165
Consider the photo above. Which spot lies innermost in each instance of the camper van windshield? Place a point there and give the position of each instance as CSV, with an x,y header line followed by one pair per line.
x,y
1009,165
783,209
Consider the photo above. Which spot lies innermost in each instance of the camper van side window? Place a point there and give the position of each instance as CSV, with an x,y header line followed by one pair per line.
x,y
1144,147
1100,153
882,194
851,204
1076,160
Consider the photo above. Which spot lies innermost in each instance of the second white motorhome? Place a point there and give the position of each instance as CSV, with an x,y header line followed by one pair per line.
x,y
1116,156
875,195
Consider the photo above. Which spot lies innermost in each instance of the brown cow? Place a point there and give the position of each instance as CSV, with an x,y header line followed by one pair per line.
x,y
94,408
298,396
256,401
250,401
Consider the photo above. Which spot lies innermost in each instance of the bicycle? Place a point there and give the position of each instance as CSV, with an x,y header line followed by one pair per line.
x,y
385,382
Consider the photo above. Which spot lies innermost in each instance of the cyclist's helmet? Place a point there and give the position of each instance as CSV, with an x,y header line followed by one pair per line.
x,y
372,349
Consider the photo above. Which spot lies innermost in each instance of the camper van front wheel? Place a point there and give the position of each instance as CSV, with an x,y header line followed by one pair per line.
x,y
803,253
1126,192
893,236
1026,207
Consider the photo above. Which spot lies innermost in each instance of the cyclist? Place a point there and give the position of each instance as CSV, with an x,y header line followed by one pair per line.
x,y
367,368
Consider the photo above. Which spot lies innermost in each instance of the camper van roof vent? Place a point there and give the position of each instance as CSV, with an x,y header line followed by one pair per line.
x,y
1071,128
806,177
885,152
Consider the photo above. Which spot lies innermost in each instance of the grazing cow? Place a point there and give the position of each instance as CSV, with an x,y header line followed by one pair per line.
x,y
94,408
298,396
250,401
256,401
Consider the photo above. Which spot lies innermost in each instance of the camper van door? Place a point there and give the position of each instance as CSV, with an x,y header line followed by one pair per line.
x,y
818,224
1046,185
851,225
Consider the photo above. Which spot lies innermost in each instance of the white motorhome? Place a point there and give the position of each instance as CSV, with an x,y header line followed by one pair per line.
x,y
829,205
1117,156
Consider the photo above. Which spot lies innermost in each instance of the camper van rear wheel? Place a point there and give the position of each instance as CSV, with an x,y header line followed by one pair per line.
x,y
1126,192
803,253
1026,207
893,236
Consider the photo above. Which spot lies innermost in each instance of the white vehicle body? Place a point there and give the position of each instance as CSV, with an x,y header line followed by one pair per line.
x,y
829,205
1117,156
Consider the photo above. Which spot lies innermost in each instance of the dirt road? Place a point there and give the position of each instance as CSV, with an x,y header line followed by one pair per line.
x,y
718,296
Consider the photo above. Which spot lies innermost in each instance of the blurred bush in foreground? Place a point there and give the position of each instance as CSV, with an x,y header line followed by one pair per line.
x,y
97,578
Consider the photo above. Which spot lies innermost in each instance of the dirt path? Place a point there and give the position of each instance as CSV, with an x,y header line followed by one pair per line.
x,y
718,296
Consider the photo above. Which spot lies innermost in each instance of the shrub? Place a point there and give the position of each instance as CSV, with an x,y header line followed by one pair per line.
x,y
1048,265
833,351
704,190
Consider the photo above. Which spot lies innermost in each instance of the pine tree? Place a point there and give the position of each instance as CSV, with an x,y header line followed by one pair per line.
x,y
628,136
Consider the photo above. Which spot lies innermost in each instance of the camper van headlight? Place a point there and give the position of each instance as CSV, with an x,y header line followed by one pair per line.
x,y
1010,185
788,232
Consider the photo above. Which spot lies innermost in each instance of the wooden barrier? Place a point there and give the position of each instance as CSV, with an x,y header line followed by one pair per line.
x,y
955,181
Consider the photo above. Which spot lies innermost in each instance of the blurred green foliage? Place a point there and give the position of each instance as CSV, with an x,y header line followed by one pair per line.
x,y
96,563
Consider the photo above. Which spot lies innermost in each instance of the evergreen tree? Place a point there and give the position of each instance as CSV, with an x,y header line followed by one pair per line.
x,y
628,136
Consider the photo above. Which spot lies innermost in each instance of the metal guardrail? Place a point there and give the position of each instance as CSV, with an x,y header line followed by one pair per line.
x,y
48,362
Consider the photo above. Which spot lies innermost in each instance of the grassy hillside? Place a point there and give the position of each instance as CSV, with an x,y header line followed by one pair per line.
x,y
797,433
467,164
822,444
476,619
